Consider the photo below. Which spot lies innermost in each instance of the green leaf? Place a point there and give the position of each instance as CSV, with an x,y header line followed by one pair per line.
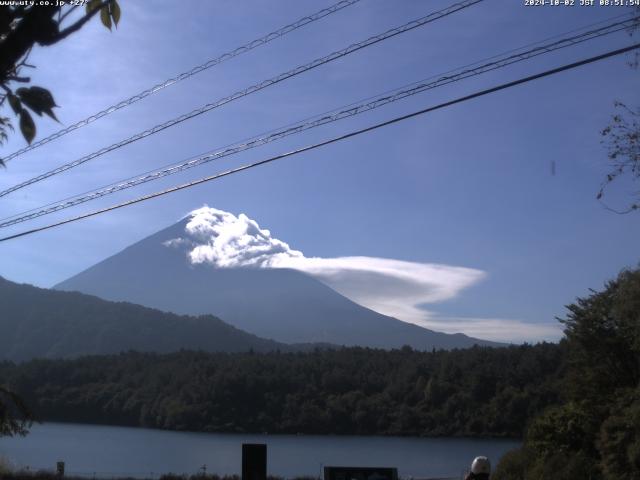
x,y
44,95
5,122
104,16
115,12
45,100
50,114
27,127
14,101
92,5
38,99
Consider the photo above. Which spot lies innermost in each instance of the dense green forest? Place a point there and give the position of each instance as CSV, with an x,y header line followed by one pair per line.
x,y
480,391
594,432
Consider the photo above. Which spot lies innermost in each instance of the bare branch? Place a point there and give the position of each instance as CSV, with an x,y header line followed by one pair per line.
x,y
630,209
19,79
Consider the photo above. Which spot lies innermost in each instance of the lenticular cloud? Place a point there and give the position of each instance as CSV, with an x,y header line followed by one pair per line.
x,y
390,287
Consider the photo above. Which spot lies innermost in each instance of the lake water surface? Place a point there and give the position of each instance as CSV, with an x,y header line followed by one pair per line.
x,y
117,451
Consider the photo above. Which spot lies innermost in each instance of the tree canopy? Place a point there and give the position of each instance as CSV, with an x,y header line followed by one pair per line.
x,y
622,141
595,432
15,416
481,391
24,26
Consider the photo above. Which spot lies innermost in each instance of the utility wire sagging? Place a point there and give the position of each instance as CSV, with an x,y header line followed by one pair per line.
x,y
190,73
252,89
355,133
498,61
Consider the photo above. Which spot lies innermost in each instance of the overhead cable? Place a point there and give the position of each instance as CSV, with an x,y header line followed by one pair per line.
x,y
189,73
323,119
252,89
329,141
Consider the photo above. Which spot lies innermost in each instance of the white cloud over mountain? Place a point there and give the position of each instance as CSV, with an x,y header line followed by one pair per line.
x,y
497,329
391,287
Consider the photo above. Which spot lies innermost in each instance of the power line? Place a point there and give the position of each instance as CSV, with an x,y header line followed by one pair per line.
x,y
322,119
252,89
189,73
329,141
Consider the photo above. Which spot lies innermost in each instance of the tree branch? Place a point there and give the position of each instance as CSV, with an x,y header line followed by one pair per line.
x,y
76,26
35,26
14,78
62,17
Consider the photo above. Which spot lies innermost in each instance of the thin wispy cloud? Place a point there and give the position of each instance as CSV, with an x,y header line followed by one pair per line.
x,y
396,288
497,329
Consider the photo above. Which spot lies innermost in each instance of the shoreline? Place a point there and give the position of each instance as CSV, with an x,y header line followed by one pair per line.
x,y
299,434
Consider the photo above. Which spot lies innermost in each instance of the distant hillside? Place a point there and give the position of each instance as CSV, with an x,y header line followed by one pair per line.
x,y
36,322
286,305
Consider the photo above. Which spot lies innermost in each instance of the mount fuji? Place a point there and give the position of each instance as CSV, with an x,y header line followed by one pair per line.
x,y
212,262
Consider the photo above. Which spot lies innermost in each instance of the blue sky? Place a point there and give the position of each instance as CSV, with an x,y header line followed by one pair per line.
x,y
469,186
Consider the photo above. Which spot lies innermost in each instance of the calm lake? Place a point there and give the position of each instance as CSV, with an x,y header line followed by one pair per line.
x,y
117,451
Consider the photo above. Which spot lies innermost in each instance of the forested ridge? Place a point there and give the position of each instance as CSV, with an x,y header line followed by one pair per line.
x,y
480,391
595,431
42,323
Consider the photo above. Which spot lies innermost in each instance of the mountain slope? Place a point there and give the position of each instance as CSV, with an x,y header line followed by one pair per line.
x,y
285,305
36,322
